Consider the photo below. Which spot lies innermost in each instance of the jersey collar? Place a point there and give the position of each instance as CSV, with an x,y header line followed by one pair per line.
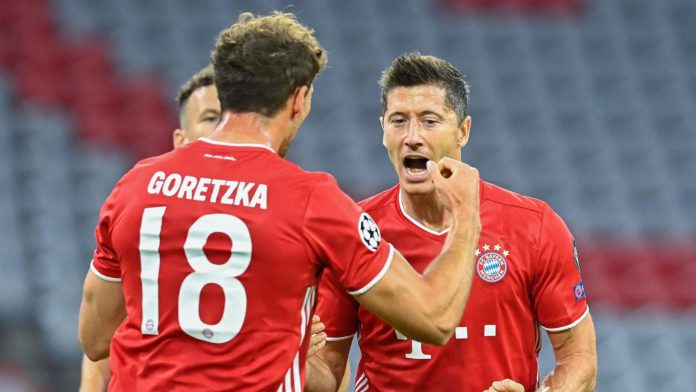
x,y
415,222
219,143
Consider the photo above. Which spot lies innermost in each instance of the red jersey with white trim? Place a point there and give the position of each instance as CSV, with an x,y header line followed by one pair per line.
x,y
526,275
219,248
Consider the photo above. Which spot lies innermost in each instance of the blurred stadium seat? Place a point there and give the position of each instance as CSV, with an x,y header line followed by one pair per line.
x,y
585,104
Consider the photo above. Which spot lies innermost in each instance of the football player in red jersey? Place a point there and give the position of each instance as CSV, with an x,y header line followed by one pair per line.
x,y
207,260
527,272
199,113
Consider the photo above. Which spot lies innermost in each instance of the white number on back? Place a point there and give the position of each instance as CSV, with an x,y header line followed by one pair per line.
x,y
204,272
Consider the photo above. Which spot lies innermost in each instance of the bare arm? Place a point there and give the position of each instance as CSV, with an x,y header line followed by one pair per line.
x,y
576,359
101,311
428,308
346,379
95,375
576,362
328,367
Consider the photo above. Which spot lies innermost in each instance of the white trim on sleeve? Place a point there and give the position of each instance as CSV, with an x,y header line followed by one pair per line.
x,y
102,276
379,275
332,339
571,325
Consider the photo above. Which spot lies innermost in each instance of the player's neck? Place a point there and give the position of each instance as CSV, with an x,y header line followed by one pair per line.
x,y
249,128
426,209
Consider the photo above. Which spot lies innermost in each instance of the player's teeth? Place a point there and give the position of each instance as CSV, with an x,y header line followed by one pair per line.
x,y
414,170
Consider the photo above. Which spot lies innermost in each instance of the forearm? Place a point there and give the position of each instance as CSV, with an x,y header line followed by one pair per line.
x,y
319,377
446,296
575,350
94,338
95,375
101,311
427,307
576,373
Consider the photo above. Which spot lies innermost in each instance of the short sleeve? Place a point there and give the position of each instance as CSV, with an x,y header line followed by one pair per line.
x,y
558,290
345,238
337,309
105,263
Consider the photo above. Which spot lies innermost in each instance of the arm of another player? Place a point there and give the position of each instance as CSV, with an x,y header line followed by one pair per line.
x,y
95,375
101,312
320,372
328,366
339,311
576,359
428,308
318,336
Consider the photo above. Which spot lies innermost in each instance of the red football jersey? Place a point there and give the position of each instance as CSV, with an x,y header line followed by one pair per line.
x,y
526,275
219,248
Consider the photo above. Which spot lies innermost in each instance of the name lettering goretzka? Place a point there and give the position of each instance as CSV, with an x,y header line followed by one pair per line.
x,y
213,190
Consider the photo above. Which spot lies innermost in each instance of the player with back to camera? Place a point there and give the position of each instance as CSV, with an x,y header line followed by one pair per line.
x,y
527,271
214,250
199,113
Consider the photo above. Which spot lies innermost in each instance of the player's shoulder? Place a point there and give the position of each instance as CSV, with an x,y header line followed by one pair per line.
x,y
317,178
145,165
313,182
127,180
281,167
534,209
499,195
381,200
152,161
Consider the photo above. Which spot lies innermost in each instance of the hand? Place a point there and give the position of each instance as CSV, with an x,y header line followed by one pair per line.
x,y
318,339
457,185
506,385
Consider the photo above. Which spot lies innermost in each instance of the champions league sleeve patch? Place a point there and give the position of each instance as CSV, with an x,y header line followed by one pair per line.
x,y
575,255
369,232
579,291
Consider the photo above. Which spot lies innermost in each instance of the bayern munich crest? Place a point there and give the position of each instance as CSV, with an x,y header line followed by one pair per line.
x,y
492,265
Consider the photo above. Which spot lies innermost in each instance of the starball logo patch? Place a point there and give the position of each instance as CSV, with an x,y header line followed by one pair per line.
x,y
369,232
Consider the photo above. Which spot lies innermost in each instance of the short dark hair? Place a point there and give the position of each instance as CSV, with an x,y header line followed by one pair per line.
x,y
204,77
260,60
413,69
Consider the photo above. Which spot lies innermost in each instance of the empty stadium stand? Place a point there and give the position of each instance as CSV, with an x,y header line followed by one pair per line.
x,y
588,105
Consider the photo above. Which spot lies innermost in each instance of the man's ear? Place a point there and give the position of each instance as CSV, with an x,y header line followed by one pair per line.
x,y
301,95
384,135
178,138
463,132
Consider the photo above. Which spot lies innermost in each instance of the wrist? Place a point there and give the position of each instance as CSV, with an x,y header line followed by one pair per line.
x,y
465,222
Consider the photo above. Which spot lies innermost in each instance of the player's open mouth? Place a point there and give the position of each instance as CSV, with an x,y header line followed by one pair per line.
x,y
415,167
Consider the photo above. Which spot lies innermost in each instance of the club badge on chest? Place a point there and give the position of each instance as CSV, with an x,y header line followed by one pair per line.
x,y
492,264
